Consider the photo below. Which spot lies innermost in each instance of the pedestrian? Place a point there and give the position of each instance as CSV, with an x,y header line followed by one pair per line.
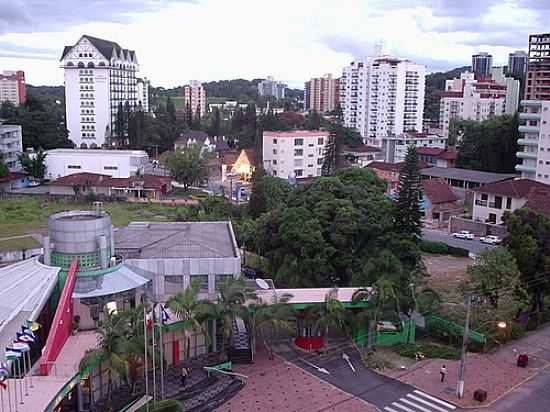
x,y
443,372
184,375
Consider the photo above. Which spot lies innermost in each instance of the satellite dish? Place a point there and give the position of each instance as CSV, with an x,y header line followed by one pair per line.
x,y
262,284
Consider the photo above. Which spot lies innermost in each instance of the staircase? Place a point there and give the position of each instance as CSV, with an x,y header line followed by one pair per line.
x,y
240,346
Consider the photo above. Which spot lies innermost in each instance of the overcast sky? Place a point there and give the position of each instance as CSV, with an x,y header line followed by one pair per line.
x,y
293,40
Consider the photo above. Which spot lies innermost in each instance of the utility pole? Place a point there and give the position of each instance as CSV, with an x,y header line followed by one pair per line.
x,y
460,385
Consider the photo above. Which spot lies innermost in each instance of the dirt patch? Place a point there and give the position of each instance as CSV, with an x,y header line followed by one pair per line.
x,y
446,273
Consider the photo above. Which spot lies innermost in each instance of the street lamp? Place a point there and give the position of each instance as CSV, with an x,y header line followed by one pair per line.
x,y
502,325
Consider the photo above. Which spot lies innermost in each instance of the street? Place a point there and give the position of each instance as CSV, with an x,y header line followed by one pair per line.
x,y
474,246
389,395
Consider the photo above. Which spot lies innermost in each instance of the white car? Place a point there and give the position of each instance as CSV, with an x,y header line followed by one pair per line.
x,y
491,240
464,234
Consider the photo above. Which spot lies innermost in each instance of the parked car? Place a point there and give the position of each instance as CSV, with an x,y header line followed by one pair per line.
x,y
491,240
34,182
464,234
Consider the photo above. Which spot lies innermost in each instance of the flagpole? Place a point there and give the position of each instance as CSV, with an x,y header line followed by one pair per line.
x,y
161,354
154,370
9,395
15,391
145,356
2,398
24,373
21,401
30,369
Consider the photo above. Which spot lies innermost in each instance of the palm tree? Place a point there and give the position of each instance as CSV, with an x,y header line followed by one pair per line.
x,y
230,305
135,344
378,298
111,349
279,316
192,310
331,313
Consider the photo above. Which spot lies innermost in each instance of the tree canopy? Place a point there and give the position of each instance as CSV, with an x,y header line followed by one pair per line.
x,y
188,165
34,165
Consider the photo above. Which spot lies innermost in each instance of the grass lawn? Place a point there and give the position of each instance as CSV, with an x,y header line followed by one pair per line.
x,y
19,217
22,243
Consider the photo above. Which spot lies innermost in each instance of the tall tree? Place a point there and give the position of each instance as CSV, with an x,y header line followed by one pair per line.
x,y
312,121
407,213
34,165
7,110
331,313
331,155
4,171
120,124
258,201
171,110
215,123
188,165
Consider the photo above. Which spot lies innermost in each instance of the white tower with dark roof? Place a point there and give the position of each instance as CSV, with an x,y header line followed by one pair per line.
x,y
99,77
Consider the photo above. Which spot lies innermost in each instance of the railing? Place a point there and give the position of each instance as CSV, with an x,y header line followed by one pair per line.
x,y
481,203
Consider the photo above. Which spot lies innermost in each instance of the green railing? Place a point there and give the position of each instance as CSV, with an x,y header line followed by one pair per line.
x,y
435,322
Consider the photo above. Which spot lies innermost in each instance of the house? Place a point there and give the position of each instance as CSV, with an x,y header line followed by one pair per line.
x,y
15,180
361,155
388,172
216,144
439,202
148,186
435,156
493,200
463,181
245,164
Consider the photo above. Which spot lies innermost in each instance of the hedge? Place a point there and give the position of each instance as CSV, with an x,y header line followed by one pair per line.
x,y
441,248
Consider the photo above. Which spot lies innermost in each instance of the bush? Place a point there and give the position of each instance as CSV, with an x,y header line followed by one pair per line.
x,y
435,247
457,251
428,350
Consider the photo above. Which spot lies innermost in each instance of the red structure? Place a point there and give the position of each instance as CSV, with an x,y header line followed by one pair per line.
x,y
62,322
309,342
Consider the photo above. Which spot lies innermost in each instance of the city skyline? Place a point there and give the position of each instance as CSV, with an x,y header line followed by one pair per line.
x,y
304,42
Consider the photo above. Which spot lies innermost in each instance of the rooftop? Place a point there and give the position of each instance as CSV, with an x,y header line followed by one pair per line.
x,y
99,180
178,239
361,148
539,200
105,47
515,188
297,133
466,174
96,152
438,191
390,167
305,295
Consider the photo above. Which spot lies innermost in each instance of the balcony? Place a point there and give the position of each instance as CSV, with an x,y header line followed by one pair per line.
x,y
524,168
530,116
528,142
528,129
526,155
531,103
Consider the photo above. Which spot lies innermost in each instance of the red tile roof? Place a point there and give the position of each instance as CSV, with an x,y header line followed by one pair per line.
x,y
390,167
449,154
12,176
362,148
539,200
438,191
431,151
251,154
98,180
229,158
518,188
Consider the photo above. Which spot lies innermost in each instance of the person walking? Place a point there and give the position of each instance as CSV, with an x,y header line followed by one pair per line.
x,y
443,372
184,375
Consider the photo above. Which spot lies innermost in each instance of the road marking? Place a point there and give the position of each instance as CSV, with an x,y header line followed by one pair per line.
x,y
431,405
387,408
403,407
415,405
433,398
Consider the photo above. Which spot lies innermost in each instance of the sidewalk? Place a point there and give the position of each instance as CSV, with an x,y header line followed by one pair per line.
x,y
276,385
495,371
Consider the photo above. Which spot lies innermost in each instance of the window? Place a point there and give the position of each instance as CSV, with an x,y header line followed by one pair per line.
x,y
298,142
274,141
320,161
508,203
298,172
204,281
220,279
73,167
320,140
498,202
274,151
484,196
110,167
173,285
274,161
298,152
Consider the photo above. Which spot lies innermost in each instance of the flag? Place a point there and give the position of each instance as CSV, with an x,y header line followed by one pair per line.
x,y
12,354
24,338
4,370
20,347
164,315
33,326
149,321
3,385
28,331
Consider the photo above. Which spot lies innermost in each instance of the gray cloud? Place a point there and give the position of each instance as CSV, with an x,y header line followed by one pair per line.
x,y
23,16
506,39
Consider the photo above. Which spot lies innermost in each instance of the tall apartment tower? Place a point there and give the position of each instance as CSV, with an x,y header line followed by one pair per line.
x,y
271,87
481,64
517,63
100,76
143,93
535,133
12,87
322,94
384,97
195,96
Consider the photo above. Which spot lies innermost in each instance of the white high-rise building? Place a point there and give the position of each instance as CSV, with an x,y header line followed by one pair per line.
x,y
143,93
383,97
100,76
271,87
471,99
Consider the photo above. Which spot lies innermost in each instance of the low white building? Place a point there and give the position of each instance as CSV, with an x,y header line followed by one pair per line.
x,y
11,145
115,163
395,147
297,154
